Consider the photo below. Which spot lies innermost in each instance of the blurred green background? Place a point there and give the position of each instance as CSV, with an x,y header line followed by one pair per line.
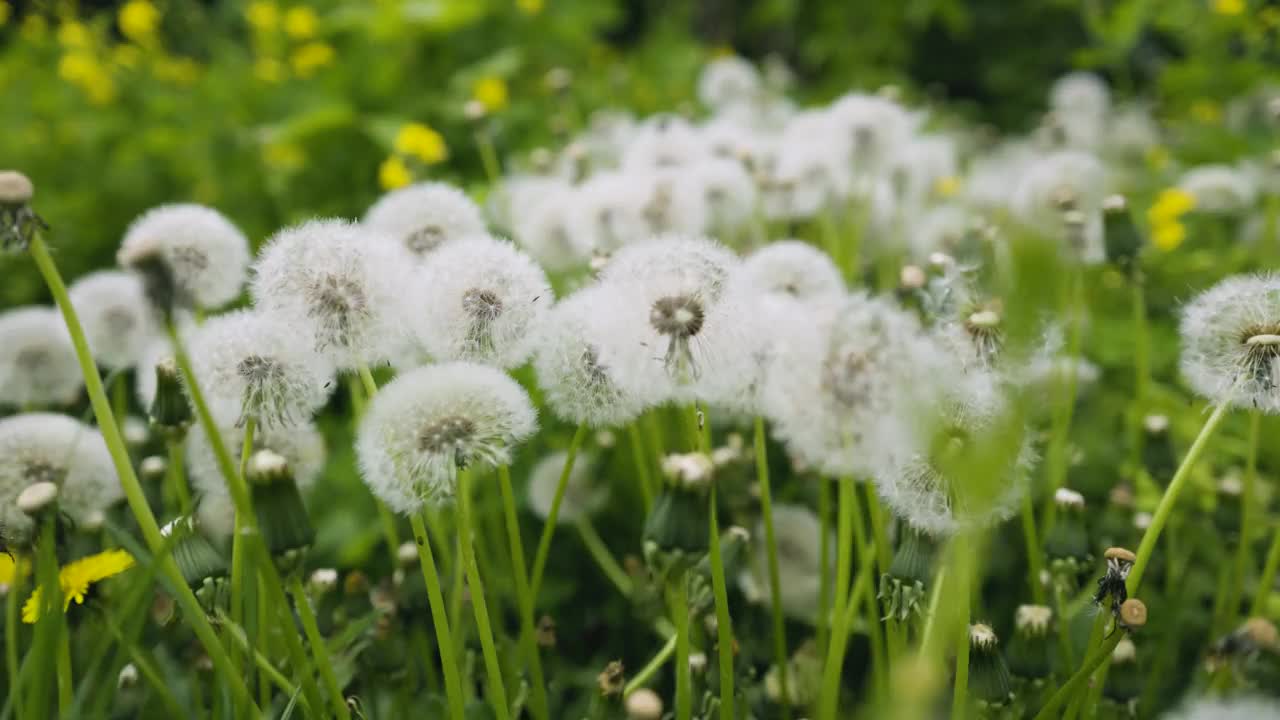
x,y
276,111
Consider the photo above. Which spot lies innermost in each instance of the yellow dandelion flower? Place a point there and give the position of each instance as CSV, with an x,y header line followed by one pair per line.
x,y
1230,8
309,58
76,67
138,20
947,187
263,16
530,7
75,578
393,173
1169,235
301,22
421,142
10,567
1170,205
73,34
491,91
5,13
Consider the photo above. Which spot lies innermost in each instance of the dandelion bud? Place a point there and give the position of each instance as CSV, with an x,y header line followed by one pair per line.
x,y
675,531
188,255
170,411
988,675
1030,653
912,277
1067,544
282,517
323,581
611,680
128,677
644,704
153,468
18,221
38,366
1125,680
15,188
36,498
135,431
474,110
1122,240
203,568
424,217
902,588
1231,342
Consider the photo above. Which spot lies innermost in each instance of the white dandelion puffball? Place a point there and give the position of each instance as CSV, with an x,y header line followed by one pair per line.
x,y
607,213
582,494
842,371
666,203
1231,342
799,542
577,359
118,320
426,424
941,228
727,191
678,318
1057,185
1131,132
45,447
921,166
930,447
38,365
1081,104
544,229
871,130
793,269
804,177
663,141
425,216
483,301
339,284
728,81
301,445
1233,708
206,254
251,365
1219,188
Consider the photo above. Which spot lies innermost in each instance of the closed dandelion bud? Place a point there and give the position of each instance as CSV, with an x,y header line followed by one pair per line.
x,y
1125,679
188,255
202,566
675,531
1228,512
282,517
903,588
988,675
128,677
1030,654
18,221
410,586
1067,544
170,410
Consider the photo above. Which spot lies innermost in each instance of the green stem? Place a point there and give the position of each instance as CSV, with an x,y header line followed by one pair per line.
x,y
824,566
549,527
1068,689
844,543
134,495
488,157
600,553
830,694
678,597
1170,498
1061,429
439,619
319,651
66,685
119,397
11,628
493,668
641,462
1035,563
652,667
1268,579
1231,608
389,532
775,580
176,476
239,598
960,692
724,624
539,706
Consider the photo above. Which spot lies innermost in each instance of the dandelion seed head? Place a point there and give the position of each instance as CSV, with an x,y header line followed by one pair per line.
x,y
1058,182
871,130
607,213
583,495
663,141
1081,104
45,447
799,537
339,284
118,319
425,216
38,365
483,301
727,81
793,269
207,256
921,166
1231,342
544,228
728,195
251,365
426,424
1219,188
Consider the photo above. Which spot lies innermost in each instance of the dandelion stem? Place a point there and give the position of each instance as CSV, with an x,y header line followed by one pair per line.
x,y
488,157
176,475
1060,432
1035,565
1268,578
830,695
642,463
11,628
549,527
677,595
1243,550
389,532
66,685
724,623
844,543
960,692
439,619
134,495
775,580
600,553
1069,688
239,598
539,705
652,667
493,668
824,566
319,651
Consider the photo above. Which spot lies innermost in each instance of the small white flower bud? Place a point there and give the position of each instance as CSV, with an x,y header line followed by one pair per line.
x,y
407,553
36,497
128,677
697,663
15,188
912,277
644,704
689,469
323,581
474,110
153,467
1068,498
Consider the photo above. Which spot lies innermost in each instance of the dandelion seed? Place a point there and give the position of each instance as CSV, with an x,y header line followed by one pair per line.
x,y
203,254
38,365
425,216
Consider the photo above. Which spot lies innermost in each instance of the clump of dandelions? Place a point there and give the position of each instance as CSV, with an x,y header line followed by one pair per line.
x,y
1231,342
38,365
204,255
577,362
45,447
793,269
582,495
799,536
118,320
482,301
426,424
251,365
337,284
425,216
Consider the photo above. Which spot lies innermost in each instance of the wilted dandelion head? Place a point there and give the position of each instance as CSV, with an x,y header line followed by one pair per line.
x,y
793,269
799,543
38,365
44,447
118,320
426,424
1231,342
1060,195
577,361
1219,188
482,301
205,255
726,81
958,458
251,365
337,283
583,495
425,216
